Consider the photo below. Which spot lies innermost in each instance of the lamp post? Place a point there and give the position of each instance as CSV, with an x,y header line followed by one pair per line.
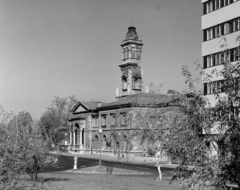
x,y
100,146
119,144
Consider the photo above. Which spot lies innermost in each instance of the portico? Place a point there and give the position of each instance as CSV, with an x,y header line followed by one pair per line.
x,y
77,135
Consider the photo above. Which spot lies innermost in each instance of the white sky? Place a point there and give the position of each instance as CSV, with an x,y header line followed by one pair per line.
x,y
72,47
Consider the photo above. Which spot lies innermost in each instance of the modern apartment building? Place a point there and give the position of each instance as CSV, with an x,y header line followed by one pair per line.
x,y
220,25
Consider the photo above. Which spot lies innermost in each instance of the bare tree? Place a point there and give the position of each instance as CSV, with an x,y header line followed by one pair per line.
x,y
54,122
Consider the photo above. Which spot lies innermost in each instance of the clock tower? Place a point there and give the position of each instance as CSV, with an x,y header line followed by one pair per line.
x,y
131,69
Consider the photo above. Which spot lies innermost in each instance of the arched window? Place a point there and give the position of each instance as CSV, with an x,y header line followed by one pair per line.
x,y
129,52
76,126
124,83
95,138
126,53
138,54
136,83
133,52
125,137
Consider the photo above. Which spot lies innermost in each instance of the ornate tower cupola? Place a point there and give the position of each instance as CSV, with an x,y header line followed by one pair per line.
x,y
130,67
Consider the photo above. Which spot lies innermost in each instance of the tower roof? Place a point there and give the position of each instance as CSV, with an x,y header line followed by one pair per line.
x,y
132,33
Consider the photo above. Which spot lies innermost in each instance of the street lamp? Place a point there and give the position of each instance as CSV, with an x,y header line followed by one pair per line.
x,y
100,158
119,143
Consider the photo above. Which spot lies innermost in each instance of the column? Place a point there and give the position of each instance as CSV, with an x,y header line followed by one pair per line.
x,y
74,139
83,139
70,138
77,137
90,137
80,137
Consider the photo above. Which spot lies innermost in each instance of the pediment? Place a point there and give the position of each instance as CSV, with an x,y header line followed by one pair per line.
x,y
79,108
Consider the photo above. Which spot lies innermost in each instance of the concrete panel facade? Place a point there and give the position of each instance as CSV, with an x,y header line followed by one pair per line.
x,y
214,45
221,15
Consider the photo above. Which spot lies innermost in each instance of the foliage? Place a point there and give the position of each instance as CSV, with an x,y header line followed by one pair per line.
x,y
151,125
204,129
54,122
21,151
204,140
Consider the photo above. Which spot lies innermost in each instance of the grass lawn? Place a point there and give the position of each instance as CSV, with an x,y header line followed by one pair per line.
x,y
70,181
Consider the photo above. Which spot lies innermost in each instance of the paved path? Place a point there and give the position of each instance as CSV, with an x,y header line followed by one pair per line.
x,y
148,161
88,164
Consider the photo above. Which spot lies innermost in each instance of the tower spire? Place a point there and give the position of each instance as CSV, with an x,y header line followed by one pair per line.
x,y
131,69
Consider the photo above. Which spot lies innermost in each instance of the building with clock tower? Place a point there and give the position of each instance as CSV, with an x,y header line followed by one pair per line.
x,y
112,119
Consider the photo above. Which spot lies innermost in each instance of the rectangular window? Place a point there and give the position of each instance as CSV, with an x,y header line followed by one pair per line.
x,y
205,62
208,61
221,86
222,57
232,55
236,54
95,121
205,88
211,33
204,35
213,5
227,56
226,28
234,25
208,7
217,4
217,32
213,60
237,24
220,29
222,3
123,119
211,88
104,120
216,59
208,89
204,8
208,34
113,122
217,86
